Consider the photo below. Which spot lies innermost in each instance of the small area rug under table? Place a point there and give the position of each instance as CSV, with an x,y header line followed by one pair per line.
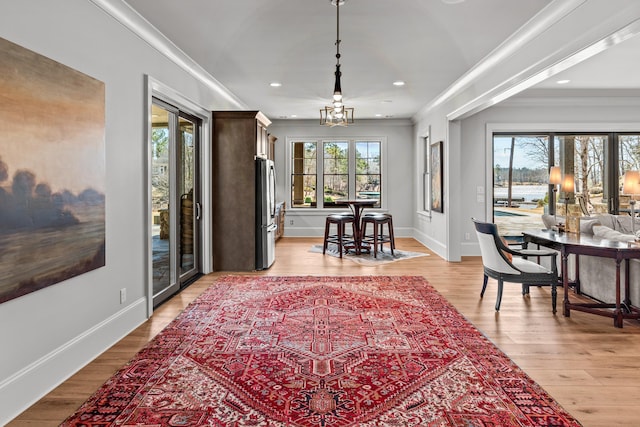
x,y
320,352
367,258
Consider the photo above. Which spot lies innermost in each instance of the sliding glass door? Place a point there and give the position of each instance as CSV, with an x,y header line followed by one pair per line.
x,y
175,201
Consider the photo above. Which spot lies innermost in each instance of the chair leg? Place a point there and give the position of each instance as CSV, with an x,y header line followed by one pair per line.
x,y
340,234
391,236
499,298
484,285
554,296
326,236
375,241
525,289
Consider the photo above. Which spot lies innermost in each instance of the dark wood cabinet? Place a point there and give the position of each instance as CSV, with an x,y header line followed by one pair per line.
x,y
238,137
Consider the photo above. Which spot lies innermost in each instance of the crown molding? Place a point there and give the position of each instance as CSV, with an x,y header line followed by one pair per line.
x,y
133,21
537,25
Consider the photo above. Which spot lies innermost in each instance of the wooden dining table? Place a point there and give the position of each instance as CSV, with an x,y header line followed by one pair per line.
x,y
357,206
583,244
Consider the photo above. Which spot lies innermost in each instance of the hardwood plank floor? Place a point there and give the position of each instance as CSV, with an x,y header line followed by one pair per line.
x,y
591,368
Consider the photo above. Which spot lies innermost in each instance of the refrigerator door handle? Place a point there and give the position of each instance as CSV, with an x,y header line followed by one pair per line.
x,y
272,190
198,211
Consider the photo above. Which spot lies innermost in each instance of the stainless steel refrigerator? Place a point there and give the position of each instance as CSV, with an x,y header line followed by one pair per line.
x,y
265,213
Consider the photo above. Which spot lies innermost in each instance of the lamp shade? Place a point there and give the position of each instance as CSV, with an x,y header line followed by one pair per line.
x,y
631,183
555,176
568,185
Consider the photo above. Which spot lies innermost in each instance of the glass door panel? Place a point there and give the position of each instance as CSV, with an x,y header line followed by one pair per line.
x,y
161,242
628,161
581,159
189,206
520,183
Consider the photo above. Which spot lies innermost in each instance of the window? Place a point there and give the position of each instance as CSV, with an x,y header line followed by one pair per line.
x,y
304,174
347,169
336,172
368,176
591,163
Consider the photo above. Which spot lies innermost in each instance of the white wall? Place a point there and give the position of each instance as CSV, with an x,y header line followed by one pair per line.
x,y
47,335
398,185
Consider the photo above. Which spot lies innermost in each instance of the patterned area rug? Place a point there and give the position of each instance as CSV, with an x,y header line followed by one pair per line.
x,y
383,257
320,352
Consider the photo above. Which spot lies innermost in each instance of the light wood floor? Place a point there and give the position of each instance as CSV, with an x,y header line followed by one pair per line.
x,y
591,368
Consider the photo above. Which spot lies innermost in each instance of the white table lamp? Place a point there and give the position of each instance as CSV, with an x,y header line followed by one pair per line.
x,y
567,186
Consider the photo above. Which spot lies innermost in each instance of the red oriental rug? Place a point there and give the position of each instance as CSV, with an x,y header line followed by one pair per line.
x,y
320,352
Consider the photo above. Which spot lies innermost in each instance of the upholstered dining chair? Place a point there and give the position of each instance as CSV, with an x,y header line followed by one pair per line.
x,y
505,264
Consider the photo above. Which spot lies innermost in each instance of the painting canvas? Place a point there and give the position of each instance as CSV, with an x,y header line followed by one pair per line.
x,y
52,172
437,202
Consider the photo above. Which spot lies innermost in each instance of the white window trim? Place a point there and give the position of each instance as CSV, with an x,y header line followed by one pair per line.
x,y
320,140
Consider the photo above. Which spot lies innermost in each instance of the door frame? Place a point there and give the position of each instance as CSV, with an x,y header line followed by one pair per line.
x,y
156,89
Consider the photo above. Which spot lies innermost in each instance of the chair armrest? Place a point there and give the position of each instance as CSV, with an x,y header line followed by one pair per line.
x,y
534,252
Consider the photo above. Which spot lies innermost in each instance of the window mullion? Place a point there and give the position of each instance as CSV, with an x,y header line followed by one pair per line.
x,y
352,169
320,172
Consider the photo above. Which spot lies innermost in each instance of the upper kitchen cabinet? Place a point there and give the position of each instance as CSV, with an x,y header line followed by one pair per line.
x,y
272,146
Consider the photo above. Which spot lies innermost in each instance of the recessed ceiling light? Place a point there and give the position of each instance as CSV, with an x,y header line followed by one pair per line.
x,y
275,84
398,83
378,115
387,101
563,82
293,116
452,1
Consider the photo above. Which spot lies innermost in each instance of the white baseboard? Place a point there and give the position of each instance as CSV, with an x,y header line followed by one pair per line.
x,y
470,249
27,386
430,243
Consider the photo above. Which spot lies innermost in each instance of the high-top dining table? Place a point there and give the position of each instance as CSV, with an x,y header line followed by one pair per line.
x,y
357,206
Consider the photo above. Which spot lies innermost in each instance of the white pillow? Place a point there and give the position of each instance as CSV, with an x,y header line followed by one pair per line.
x,y
623,224
550,222
610,234
586,225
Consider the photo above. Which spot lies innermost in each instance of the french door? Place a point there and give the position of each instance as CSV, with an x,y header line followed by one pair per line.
x,y
175,199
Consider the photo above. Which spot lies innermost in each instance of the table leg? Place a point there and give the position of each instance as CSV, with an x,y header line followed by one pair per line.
x,y
358,232
565,282
576,286
627,275
617,313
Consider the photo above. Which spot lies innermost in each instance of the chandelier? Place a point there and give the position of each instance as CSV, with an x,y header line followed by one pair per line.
x,y
337,114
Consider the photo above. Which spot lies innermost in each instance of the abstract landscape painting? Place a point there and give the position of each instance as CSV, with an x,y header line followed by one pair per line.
x,y
52,172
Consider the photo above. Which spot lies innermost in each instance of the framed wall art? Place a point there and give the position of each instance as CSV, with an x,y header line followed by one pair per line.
x,y
437,190
52,172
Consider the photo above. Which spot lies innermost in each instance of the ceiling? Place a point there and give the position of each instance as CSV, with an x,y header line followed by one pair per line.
x,y
428,44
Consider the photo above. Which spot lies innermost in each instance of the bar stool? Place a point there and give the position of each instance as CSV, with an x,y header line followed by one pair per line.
x,y
340,238
377,236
